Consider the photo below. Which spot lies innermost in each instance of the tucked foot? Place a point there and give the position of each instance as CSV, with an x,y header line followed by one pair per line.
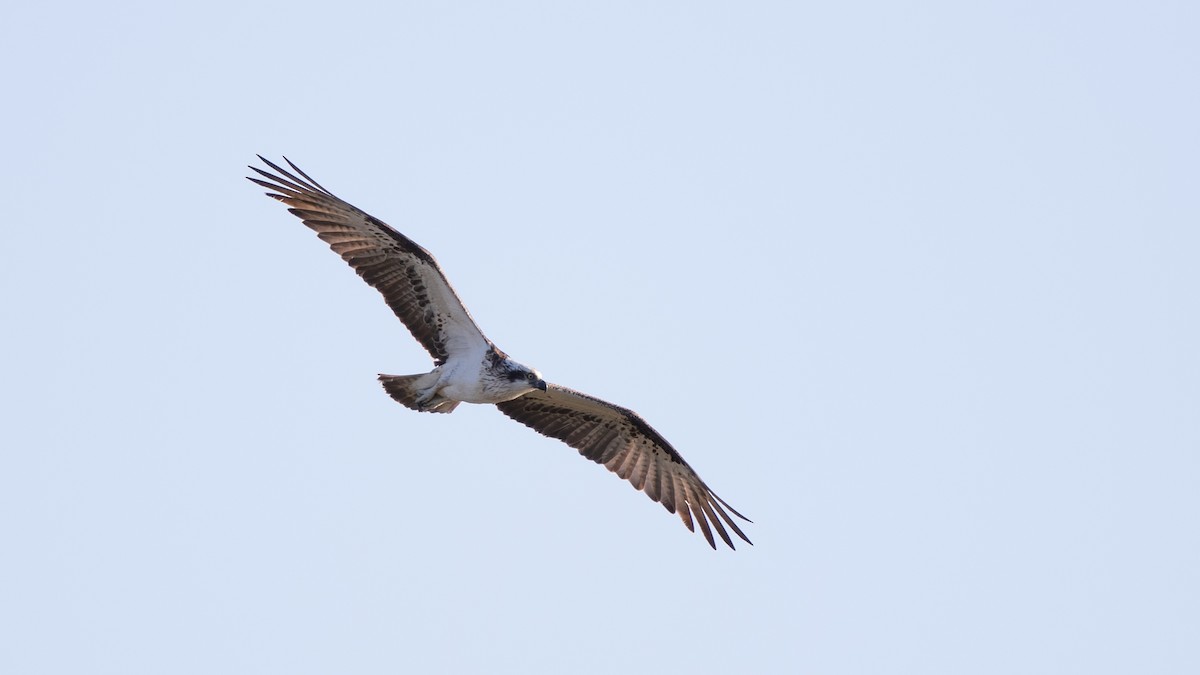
x,y
407,391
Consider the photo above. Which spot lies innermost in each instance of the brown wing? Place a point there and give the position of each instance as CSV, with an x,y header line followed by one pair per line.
x,y
407,276
622,441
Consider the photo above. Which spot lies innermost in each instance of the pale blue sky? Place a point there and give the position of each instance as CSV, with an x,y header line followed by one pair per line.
x,y
912,286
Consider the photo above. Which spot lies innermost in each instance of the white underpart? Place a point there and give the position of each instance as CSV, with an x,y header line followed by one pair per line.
x,y
468,378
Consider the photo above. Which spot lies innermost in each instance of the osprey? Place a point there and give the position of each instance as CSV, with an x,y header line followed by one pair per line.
x,y
469,368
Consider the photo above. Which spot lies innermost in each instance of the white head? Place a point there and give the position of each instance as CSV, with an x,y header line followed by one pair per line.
x,y
522,375
509,379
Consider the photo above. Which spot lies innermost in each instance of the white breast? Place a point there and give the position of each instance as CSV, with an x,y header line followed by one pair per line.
x,y
469,379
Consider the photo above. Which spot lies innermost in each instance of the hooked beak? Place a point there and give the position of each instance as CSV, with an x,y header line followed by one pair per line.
x,y
540,384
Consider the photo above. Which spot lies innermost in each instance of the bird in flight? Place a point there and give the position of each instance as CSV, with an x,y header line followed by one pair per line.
x,y
469,368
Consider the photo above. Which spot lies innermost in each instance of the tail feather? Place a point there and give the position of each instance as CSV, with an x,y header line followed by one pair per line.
x,y
406,390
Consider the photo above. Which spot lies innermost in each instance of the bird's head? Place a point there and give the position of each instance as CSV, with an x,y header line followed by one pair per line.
x,y
526,375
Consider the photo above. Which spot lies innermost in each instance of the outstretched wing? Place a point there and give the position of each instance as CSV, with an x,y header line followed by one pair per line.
x,y
407,276
623,442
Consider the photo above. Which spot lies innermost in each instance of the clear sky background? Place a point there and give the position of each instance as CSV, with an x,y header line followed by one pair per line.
x,y
914,286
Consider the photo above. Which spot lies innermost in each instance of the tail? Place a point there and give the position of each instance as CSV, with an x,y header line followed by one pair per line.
x,y
406,389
